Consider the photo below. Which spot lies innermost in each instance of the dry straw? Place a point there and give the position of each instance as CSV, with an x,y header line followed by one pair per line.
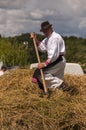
x,y
22,107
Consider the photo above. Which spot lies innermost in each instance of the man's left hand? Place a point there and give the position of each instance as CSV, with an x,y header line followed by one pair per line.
x,y
41,65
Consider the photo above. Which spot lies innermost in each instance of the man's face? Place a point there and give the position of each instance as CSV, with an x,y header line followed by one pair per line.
x,y
47,32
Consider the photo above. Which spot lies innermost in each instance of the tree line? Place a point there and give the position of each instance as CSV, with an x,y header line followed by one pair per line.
x,y
19,50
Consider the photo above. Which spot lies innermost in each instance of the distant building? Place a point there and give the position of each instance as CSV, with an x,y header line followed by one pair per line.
x,y
25,43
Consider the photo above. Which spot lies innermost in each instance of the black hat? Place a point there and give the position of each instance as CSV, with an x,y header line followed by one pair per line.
x,y
45,25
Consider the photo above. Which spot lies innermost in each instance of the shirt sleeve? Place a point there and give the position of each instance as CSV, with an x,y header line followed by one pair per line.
x,y
42,46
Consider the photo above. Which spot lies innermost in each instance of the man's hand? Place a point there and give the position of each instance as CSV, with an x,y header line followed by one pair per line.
x,y
41,65
32,35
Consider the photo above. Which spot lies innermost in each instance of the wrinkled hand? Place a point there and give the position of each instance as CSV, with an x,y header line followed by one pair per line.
x,y
32,35
41,65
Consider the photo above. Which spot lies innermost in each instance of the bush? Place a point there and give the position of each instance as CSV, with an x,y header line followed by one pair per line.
x,y
13,54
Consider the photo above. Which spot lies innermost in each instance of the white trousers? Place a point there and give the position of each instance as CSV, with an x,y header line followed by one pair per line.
x,y
55,75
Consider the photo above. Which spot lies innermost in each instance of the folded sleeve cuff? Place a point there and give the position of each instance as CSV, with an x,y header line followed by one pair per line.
x,y
38,43
47,62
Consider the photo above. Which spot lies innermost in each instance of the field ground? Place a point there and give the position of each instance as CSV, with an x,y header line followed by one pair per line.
x,y
23,107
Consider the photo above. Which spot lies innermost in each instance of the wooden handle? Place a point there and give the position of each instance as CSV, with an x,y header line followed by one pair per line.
x,y
42,75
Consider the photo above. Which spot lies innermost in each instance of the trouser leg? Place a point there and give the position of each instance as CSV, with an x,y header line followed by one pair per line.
x,y
36,73
36,77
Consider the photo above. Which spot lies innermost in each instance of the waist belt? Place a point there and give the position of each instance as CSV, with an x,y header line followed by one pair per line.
x,y
55,62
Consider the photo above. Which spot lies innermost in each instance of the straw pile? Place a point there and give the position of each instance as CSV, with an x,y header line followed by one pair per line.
x,y
22,107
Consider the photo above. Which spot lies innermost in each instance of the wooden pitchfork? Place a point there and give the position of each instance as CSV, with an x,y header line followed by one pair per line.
x,y
41,71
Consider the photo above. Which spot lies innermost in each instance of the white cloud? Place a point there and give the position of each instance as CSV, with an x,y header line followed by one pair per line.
x,y
40,14
36,14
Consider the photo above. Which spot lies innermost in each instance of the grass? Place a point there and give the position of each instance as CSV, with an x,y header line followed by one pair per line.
x,y
22,108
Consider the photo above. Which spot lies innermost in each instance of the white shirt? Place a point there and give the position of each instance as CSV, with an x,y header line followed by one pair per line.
x,y
54,46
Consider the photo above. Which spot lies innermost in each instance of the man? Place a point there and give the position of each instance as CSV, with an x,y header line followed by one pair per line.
x,y
53,67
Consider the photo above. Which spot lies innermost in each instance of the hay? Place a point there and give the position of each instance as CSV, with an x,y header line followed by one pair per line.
x,y
21,107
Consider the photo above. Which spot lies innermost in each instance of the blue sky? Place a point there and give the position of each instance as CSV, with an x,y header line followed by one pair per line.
x,y
68,17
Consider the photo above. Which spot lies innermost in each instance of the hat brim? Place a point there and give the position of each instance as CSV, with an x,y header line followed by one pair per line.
x,y
46,28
